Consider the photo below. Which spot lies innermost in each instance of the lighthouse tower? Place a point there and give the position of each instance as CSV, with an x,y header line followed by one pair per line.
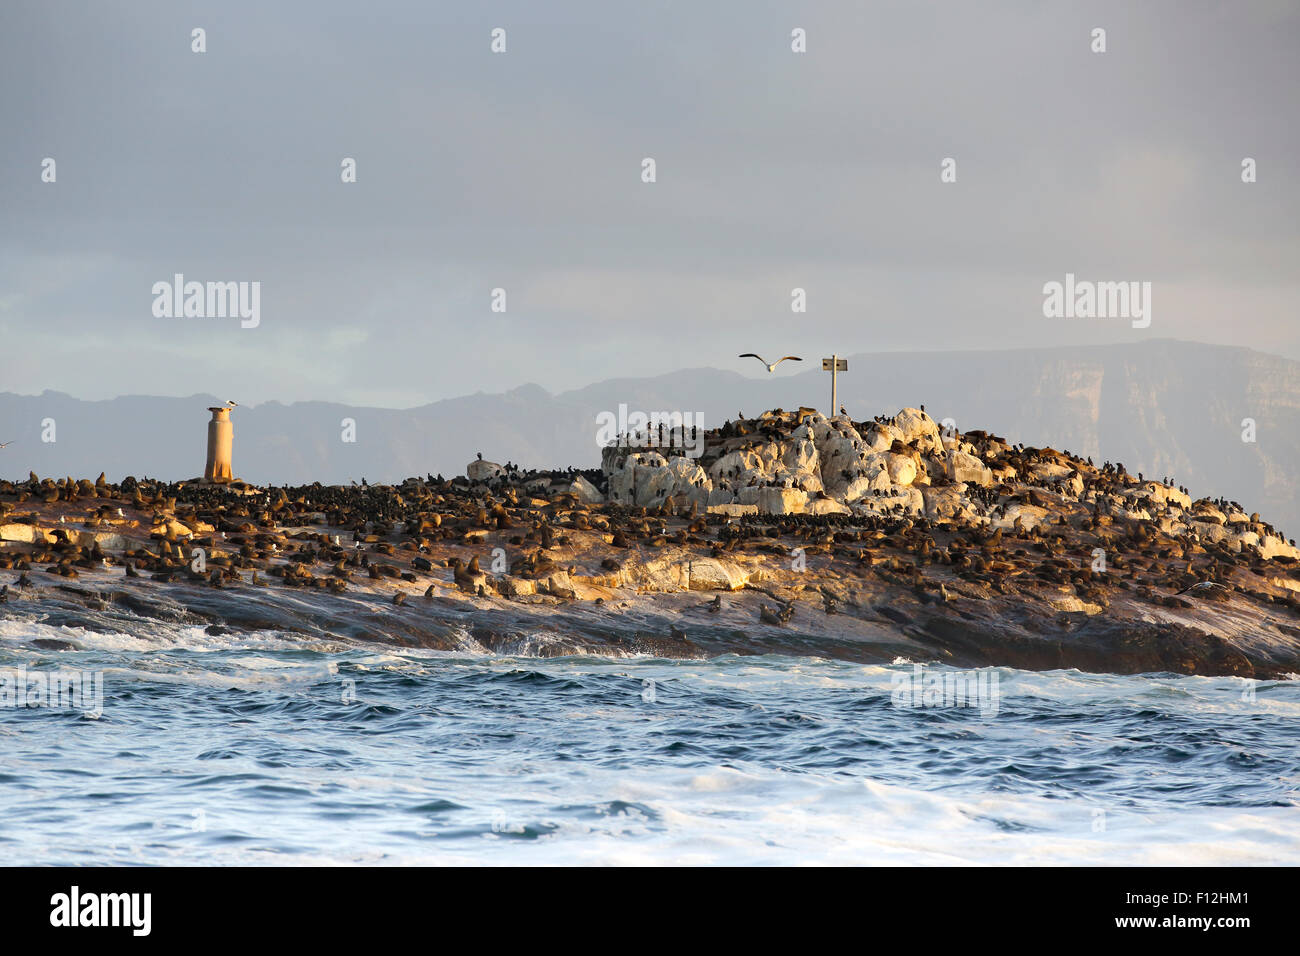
x,y
221,438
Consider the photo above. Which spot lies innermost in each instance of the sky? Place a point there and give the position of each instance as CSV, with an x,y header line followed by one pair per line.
x,y
523,170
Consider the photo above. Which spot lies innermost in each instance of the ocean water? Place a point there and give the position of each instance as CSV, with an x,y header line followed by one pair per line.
x,y
280,749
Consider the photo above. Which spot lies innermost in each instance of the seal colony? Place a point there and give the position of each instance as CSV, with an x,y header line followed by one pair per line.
x,y
864,541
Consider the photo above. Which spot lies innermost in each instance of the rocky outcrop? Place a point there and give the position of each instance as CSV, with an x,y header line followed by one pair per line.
x,y
481,470
968,469
861,540
785,464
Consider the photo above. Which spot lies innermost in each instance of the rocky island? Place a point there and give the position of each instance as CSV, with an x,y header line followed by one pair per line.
x,y
789,533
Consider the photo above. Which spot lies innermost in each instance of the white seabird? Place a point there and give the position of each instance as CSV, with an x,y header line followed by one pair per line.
x,y
773,365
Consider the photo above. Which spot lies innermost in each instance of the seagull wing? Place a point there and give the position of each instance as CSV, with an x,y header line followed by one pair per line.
x,y
792,358
753,355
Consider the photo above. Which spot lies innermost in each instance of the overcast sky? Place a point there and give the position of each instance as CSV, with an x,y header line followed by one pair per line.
x,y
522,171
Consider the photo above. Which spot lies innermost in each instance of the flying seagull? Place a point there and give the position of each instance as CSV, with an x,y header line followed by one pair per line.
x,y
5,444
230,403
772,367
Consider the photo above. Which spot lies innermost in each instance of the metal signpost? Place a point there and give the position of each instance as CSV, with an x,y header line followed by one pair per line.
x,y
834,364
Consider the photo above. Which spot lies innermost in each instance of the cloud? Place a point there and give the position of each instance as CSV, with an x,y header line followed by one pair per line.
x,y
521,171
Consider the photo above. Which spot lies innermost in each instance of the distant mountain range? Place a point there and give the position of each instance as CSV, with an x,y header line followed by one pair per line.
x,y
1162,407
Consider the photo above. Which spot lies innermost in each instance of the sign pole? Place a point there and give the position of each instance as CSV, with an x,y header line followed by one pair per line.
x,y
834,365
834,373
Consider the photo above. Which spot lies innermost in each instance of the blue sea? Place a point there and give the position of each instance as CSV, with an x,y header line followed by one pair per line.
x,y
278,749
